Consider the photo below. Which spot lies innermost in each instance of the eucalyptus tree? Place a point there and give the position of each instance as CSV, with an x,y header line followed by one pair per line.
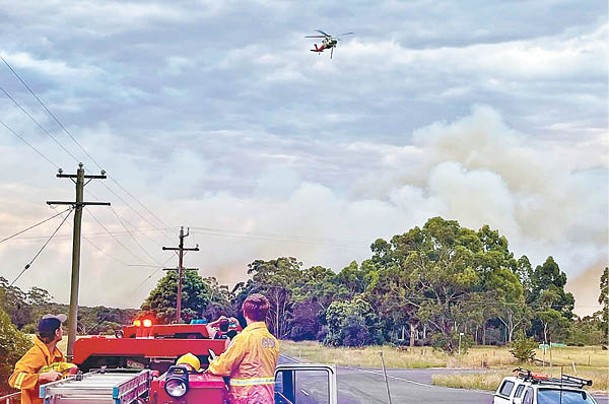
x,y
276,279
314,291
444,276
603,300
553,307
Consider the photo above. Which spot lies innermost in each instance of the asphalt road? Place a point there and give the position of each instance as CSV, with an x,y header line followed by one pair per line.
x,y
356,385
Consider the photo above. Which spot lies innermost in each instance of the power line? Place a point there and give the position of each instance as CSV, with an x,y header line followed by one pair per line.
x,y
95,235
140,203
43,247
28,143
75,141
276,237
158,268
129,206
114,237
31,227
134,239
49,112
37,123
99,249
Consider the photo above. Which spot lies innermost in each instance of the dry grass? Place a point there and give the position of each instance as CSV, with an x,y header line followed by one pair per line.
x,y
494,362
489,380
368,357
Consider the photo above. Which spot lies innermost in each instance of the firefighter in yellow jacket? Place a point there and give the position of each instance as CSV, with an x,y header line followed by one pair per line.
x,y
251,357
43,363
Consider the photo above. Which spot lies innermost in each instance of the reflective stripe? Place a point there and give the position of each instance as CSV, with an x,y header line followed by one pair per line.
x,y
19,380
45,369
252,381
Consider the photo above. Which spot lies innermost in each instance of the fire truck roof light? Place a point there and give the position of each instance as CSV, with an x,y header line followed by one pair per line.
x,y
147,323
137,323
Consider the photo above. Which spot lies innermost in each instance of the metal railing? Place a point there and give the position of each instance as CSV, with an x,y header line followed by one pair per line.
x,y
10,398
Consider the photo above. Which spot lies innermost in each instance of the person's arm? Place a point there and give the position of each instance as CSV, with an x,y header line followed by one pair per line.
x,y
26,376
230,359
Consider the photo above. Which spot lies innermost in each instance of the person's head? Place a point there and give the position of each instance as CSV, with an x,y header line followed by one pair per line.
x,y
190,362
49,328
255,307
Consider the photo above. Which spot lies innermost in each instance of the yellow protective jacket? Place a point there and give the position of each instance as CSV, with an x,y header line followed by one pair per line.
x,y
250,361
37,360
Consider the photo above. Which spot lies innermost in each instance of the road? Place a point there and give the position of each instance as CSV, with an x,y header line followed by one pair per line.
x,y
363,386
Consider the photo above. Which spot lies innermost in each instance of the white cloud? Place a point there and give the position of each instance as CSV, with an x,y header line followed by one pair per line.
x,y
215,115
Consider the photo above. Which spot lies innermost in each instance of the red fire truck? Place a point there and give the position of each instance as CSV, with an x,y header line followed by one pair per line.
x,y
137,365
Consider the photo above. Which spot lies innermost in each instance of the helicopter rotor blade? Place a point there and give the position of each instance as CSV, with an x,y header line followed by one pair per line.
x,y
323,33
346,33
315,36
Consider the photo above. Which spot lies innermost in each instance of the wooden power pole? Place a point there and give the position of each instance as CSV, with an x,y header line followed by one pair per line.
x,y
78,205
180,249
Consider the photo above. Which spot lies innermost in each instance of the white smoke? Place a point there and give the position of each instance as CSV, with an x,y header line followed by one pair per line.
x,y
476,170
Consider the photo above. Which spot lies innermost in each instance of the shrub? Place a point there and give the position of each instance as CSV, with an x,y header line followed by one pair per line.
x,y
523,348
13,344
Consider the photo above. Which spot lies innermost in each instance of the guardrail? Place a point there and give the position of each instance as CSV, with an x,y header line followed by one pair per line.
x,y
11,398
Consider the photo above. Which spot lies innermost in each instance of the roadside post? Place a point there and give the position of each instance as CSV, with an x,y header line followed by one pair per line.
x,y
385,373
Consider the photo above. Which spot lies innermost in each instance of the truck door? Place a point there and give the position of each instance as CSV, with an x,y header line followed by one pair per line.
x,y
297,382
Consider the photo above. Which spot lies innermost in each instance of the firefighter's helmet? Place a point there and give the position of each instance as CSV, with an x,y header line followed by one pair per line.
x,y
191,360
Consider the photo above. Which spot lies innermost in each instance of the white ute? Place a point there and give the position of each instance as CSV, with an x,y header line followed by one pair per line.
x,y
534,388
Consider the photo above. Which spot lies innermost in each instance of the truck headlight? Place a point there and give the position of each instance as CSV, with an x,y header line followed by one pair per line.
x,y
176,387
176,381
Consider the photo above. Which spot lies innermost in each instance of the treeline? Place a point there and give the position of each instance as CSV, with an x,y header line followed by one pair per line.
x,y
25,309
433,285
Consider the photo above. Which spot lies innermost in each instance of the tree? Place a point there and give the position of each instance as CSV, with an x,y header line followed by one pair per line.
x,y
445,277
553,306
162,301
276,279
509,300
603,300
352,323
219,301
13,344
14,302
351,281
435,269
313,292
305,324
587,331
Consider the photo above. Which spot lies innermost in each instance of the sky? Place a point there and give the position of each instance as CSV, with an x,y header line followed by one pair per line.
x,y
215,116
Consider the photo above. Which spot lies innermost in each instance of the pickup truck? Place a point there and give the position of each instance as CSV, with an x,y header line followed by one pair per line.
x,y
527,387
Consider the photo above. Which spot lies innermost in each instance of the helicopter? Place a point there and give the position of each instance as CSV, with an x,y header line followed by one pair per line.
x,y
328,41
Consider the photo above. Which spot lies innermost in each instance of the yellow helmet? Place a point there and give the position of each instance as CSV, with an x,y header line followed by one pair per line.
x,y
190,359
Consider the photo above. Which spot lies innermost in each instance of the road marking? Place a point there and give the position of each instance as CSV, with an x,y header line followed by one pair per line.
x,y
304,392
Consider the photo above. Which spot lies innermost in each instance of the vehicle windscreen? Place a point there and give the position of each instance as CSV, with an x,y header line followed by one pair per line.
x,y
557,396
